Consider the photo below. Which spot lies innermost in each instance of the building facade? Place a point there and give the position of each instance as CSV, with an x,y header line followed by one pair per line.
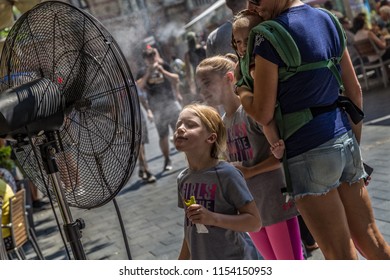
x,y
137,23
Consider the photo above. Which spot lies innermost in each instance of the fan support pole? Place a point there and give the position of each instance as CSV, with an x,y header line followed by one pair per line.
x,y
72,228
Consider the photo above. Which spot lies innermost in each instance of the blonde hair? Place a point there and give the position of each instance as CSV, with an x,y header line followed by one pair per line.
x,y
214,124
219,64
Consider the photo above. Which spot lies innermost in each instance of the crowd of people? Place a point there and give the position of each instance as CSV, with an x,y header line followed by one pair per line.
x,y
247,184
375,27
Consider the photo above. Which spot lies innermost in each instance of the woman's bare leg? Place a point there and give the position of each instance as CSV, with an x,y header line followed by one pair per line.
x,y
325,217
364,230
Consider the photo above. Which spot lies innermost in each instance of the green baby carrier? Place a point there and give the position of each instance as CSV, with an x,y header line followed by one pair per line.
x,y
288,51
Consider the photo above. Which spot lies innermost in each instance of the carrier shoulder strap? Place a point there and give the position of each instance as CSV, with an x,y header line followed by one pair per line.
x,y
282,41
288,51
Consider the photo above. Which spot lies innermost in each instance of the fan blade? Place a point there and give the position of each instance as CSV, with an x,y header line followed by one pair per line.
x,y
6,15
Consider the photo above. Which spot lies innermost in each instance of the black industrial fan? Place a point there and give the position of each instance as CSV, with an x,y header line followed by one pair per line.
x,y
69,103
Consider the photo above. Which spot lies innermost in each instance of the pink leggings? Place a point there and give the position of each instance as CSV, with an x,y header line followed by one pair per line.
x,y
281,241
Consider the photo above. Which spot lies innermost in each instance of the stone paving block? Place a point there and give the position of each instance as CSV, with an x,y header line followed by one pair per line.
x,y
382,217
141,239
145,256
384,195
174,239
381,204
167,250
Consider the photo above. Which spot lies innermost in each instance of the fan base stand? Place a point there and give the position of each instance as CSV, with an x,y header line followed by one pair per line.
x,y
72,228
73,236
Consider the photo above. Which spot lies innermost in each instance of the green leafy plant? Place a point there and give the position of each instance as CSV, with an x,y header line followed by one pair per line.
x,y
5,158
4,32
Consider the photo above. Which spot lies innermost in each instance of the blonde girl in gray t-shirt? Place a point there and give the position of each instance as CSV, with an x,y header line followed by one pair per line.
x,y
219,209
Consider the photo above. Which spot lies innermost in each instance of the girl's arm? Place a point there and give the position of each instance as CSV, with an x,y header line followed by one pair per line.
x,y
248,218
184,252
269,164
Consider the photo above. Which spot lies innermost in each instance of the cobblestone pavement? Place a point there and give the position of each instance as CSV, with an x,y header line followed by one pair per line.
x,y
153,223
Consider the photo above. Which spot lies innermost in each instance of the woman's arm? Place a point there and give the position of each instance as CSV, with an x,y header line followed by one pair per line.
x,y
248,218
352,89
143,80
379,42
172,77
261,104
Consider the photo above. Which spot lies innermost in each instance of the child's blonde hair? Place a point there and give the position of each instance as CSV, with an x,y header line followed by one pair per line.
x,y
214,124
219,64
245,19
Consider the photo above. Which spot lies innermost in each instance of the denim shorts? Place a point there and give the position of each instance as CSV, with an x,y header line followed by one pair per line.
x,y
323,168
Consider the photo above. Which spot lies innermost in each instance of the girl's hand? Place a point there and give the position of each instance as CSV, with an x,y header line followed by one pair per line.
x,y
197,214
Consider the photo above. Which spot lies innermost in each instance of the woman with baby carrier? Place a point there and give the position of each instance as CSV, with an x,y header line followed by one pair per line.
x,y
322,157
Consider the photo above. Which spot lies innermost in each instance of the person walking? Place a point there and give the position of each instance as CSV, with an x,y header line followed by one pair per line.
x,y
143,169
323,157
159,83
195,54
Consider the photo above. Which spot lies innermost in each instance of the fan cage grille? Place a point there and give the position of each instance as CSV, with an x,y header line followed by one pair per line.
x,y
99,139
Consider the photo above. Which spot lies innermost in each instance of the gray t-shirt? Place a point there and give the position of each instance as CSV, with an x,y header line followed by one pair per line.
x,y
220,189
248,145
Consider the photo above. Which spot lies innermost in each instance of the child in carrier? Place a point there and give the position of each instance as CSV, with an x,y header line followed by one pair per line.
x,y
243,22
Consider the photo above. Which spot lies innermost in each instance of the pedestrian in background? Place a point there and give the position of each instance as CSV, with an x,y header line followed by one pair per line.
x,y
159,83
195,54
219,40
143,168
